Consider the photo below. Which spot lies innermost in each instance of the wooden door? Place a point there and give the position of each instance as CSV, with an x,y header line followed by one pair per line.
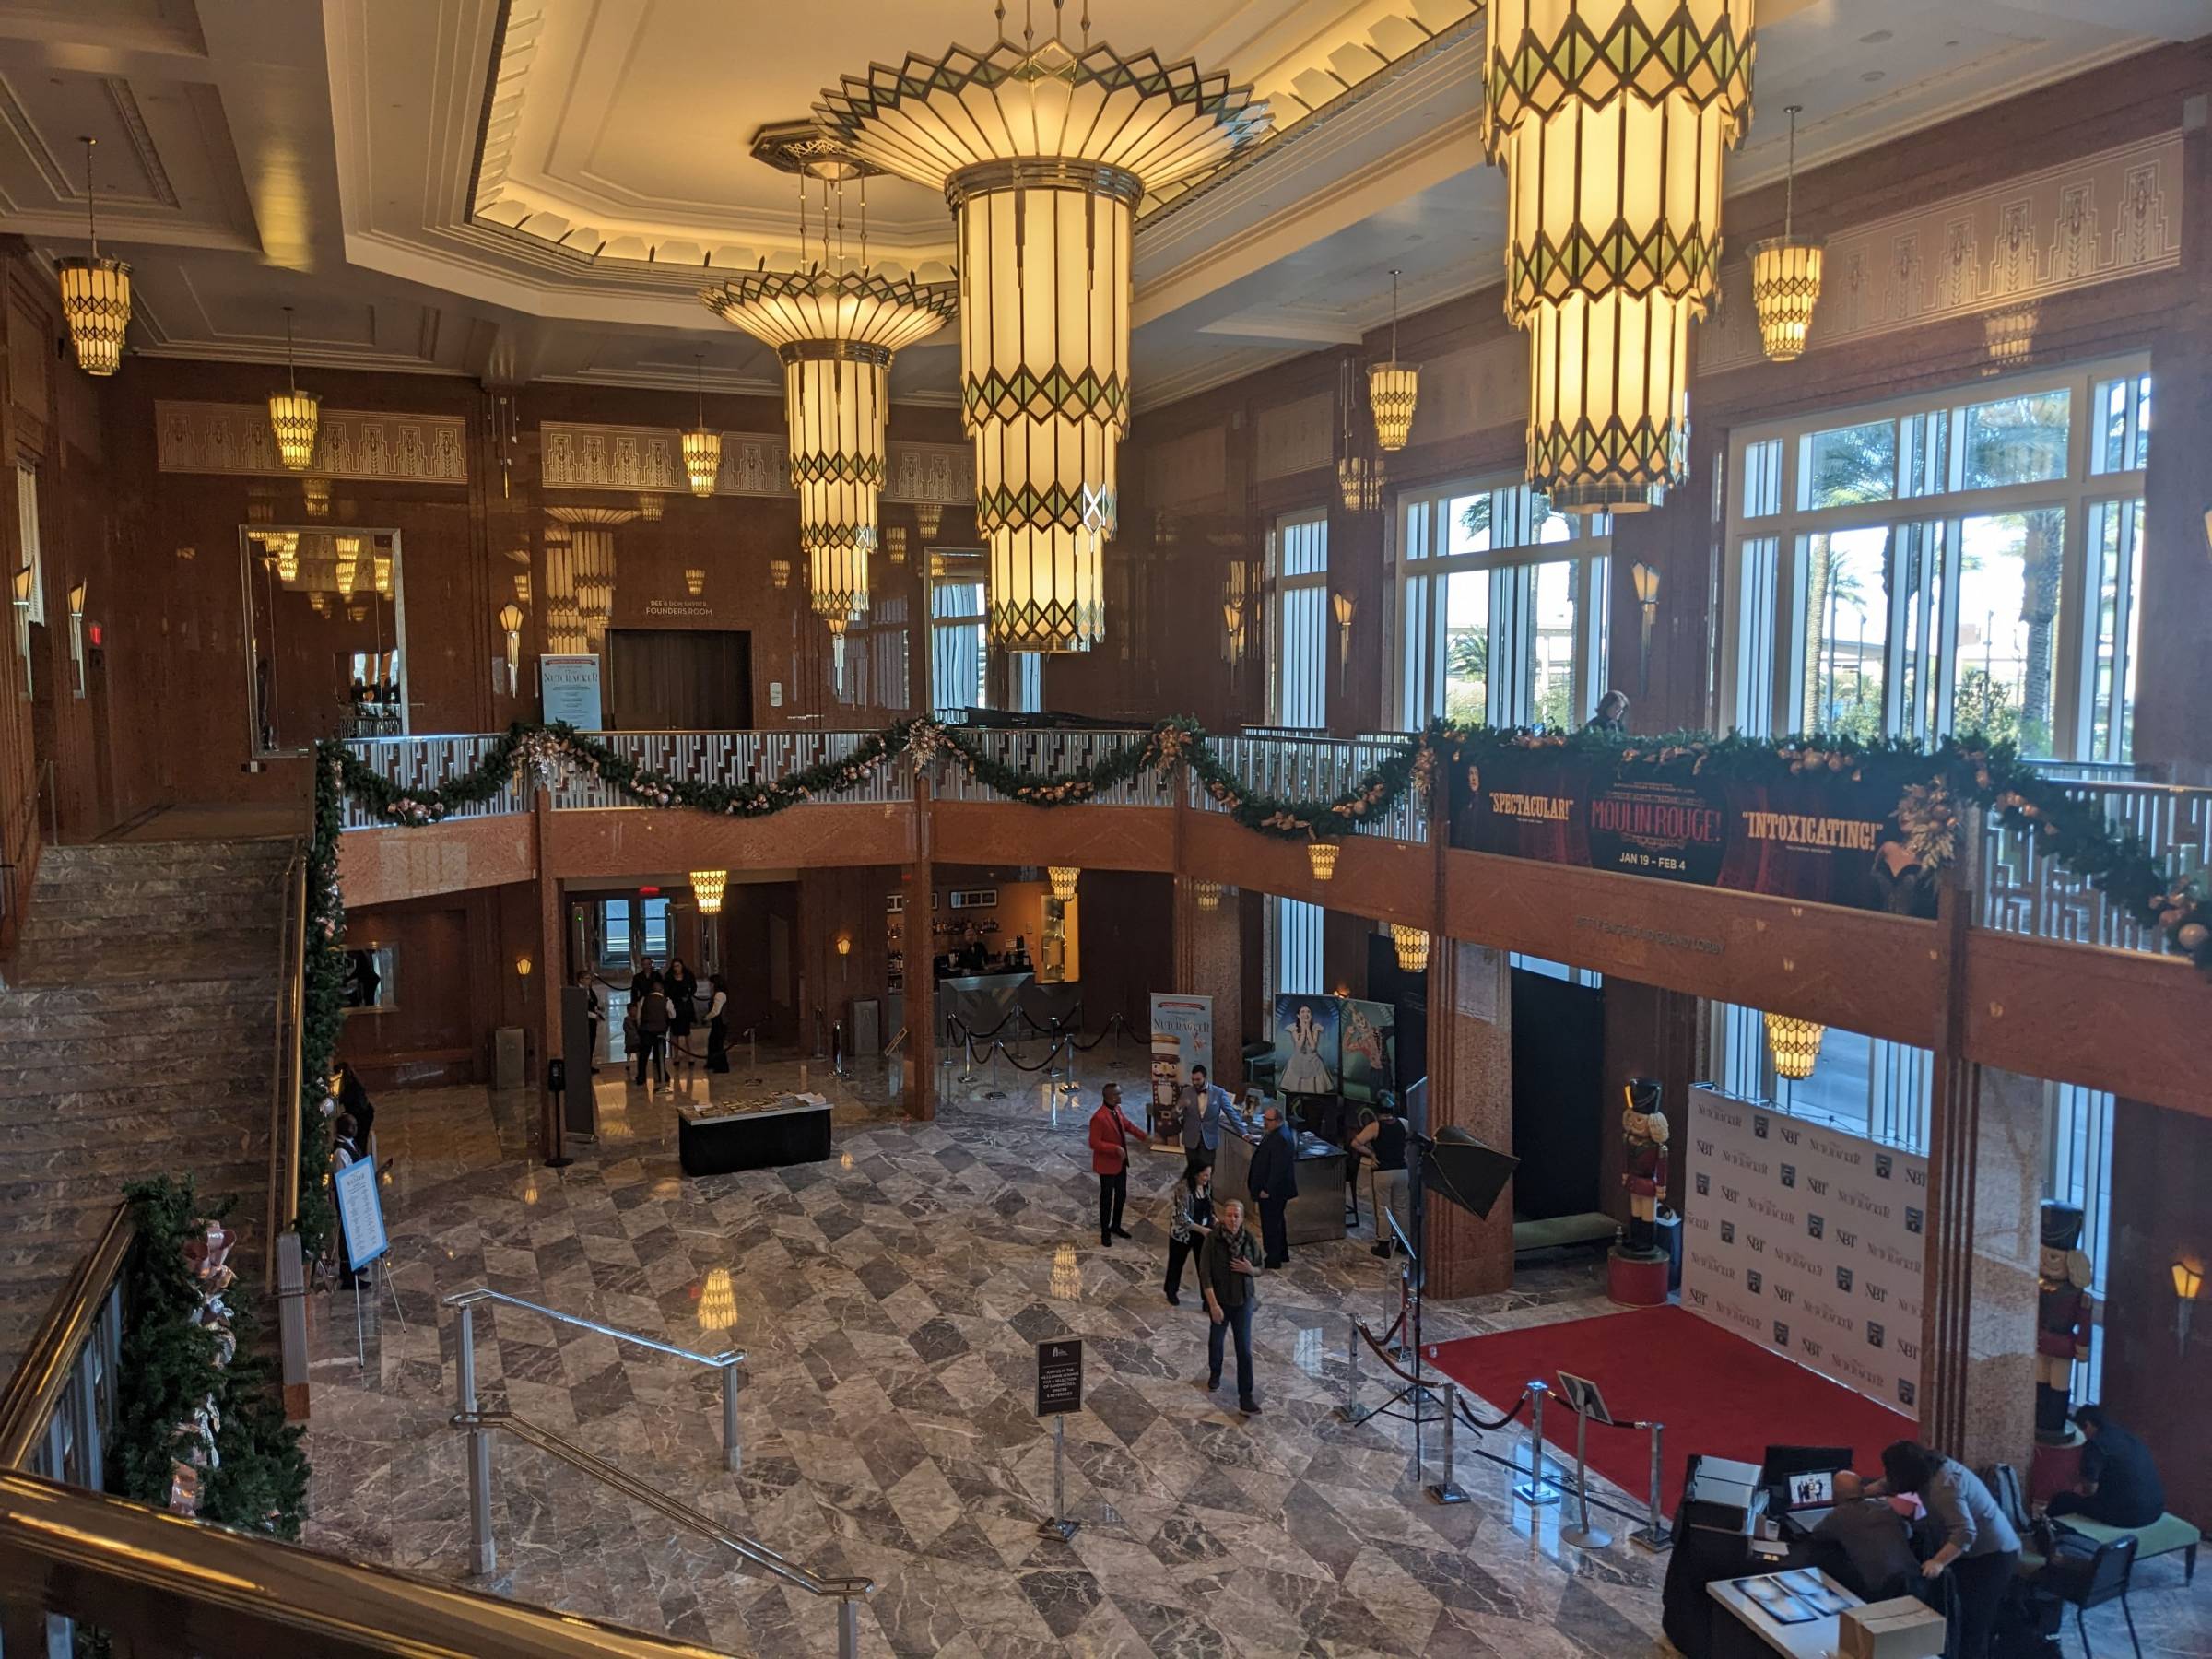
x,y
661,679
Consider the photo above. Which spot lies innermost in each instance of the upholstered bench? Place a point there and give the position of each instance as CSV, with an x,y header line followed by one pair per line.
x,y
2163,1536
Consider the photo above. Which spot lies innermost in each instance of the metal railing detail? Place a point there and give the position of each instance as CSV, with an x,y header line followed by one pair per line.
x,y
2024,891
465,1302
424,763
1054,753
164,1587
847,1592
732,757
1313,768
58,1406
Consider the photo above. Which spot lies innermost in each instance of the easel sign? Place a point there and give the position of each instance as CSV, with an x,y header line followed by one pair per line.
x,y
361,1214
1059,1392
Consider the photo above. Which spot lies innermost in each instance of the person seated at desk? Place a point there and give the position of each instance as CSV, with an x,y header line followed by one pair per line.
x,y
1863,1543
2120,1484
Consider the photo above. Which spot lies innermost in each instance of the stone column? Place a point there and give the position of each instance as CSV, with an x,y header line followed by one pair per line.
x,y
1998,1418
1470,1085
1209,961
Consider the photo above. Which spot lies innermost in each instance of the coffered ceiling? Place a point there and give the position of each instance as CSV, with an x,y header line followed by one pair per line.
x,y
536,190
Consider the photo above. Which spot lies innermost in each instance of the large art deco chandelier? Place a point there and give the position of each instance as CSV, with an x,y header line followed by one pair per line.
x,y
1785,274
836,326
1043,151
1609,118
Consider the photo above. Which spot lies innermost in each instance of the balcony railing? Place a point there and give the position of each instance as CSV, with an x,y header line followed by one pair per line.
x,y
2025,893
1312,767
1052,753
426,762
738,758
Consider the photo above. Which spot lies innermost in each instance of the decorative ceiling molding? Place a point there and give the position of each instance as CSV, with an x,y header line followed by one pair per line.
x,y
2004,248
350,444
583,456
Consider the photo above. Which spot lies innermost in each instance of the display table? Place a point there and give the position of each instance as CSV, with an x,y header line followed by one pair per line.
x,y
715,1138
1316,1215
1742,1630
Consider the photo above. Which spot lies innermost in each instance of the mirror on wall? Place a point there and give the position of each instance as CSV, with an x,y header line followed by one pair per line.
x,y
326,636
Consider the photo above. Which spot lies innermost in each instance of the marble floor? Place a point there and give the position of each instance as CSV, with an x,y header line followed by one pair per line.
x,y
889,1302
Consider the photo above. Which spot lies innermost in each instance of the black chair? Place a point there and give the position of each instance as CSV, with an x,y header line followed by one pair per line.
x,y
2090,1580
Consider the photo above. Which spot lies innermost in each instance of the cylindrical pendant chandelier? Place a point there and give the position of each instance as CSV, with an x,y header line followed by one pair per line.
x,y
701,443
1044,151
1785,274
294,416
96,294
1064,879
1412,946
707,888
1609,118
1391,387
1795,1044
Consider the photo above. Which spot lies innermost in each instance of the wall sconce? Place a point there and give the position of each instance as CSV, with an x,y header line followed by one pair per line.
x,y
1344,604
2188,1285
694,582
1795,1044
510,618
1322,857
929,518
1209,894
76,602
1064,879
522,588
779,573
707,887
523,965
1647,599
1412,946
894,542
844,945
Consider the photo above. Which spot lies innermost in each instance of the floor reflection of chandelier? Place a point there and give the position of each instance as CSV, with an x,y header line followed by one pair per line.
x,y
1043,151
836,330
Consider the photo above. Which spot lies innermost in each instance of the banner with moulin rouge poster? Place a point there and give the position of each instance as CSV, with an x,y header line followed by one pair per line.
x,y
1824,837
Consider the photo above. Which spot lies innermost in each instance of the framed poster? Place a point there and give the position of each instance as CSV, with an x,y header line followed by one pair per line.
x,y
1307,1033
361,1214
1367,1042
568,689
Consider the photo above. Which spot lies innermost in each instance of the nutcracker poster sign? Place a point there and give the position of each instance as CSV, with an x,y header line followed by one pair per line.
x,y
1824,838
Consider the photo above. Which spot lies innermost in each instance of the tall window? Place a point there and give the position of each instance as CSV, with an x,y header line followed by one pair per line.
x,y
1956,561
1502,608
1298,600
958,659
1293,946
1025,682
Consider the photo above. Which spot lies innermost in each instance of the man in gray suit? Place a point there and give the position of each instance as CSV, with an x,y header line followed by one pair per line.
x,y
1205,1106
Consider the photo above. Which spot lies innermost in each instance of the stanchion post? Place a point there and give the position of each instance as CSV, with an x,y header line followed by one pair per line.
x,y
1536,1490
1652,1535
1447,1490
1583,1535
729,1418
484,1557
1059,1526
848,1628
1349,1410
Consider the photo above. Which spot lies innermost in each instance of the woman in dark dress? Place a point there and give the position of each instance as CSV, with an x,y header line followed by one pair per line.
x,y
682,986
718,1025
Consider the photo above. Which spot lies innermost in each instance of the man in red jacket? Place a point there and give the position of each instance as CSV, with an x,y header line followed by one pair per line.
x,y
1110,1132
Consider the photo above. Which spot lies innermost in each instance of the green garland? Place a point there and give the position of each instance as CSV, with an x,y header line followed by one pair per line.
x,y
2067,827
172,1367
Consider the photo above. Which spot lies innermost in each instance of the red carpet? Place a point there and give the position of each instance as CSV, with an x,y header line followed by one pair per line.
x,y
1716,1393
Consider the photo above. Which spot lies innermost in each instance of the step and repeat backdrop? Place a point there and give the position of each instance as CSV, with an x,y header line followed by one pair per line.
x,y
1806,1239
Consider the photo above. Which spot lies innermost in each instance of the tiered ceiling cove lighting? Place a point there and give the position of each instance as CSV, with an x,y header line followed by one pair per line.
x,y
96,294
1043,149
835,326
1609,118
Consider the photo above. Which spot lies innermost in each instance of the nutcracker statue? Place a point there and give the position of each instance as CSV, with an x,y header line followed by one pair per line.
x,y
2063,1313
1645,1125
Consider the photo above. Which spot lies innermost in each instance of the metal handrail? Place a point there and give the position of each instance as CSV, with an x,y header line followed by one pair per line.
x,y
163,1585
289,1085
848,1590
479,1472
482,1293
32,1393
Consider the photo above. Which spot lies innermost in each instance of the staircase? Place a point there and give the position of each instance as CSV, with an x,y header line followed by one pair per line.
x,y
136,1037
